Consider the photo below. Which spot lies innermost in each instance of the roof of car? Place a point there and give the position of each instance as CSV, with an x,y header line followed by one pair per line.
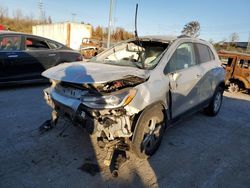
x,y
160,37
169,38
6,32
20,33
10,32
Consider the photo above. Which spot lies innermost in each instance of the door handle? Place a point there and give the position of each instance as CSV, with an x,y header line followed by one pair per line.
x,y
12,56
51,55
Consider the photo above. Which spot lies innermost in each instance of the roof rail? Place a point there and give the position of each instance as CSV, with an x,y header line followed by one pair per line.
x,y
184,36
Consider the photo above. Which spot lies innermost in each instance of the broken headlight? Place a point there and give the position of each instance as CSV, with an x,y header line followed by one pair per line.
x,y
113,100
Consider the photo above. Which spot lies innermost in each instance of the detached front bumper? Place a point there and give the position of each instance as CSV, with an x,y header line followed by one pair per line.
x,y
60,102
70,108
114,123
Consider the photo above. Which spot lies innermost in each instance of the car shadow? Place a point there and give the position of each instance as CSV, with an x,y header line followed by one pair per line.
x,y
90,155
203,151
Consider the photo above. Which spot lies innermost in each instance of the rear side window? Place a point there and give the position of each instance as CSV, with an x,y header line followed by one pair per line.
x,y
204,53
244,63
35,44
226,60
10,43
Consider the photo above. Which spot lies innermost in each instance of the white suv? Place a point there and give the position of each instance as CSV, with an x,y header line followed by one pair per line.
x,y
130,93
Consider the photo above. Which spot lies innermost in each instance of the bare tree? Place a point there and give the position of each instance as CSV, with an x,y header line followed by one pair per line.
x,y
98,32
234,37
191,29
3,13
17,14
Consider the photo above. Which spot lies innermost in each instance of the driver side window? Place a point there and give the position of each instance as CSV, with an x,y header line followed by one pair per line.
x,y
183,58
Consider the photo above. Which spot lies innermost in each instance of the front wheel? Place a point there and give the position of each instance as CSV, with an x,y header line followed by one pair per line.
x,y
215,105
149,131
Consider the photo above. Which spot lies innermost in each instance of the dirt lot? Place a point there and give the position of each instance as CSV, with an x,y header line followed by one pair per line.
x,y
199,151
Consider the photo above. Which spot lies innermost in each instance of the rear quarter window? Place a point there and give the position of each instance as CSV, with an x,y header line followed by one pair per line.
x,y
54,45
204,53
244,63
226,60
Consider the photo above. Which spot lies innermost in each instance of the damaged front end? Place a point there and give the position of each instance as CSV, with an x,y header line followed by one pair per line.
x,y
98,107
106,94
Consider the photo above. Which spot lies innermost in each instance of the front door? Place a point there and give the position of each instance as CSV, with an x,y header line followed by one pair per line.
x,y
39,55
184,75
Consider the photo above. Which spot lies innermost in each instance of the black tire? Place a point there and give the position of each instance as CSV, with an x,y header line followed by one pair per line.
x,y
234,87
148,132
216,102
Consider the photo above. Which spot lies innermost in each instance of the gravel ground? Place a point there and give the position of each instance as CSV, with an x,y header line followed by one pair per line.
x,y
199,151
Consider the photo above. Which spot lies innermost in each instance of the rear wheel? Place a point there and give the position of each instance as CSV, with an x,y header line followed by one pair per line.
x,y
215,105
149,131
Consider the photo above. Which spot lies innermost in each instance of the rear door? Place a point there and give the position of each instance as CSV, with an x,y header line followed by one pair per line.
x,y
208,66
184,75
12,64
39,55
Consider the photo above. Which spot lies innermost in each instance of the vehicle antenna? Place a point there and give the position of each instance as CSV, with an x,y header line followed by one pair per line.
x,y
136,9
136,33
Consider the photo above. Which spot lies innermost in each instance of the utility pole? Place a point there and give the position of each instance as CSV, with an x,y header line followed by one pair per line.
x,y
248,44
40,10
73,17
110,22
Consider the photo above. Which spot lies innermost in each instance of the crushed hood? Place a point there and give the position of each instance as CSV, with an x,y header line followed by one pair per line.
x,y
88,72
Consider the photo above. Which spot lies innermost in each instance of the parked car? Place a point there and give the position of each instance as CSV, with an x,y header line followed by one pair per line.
x,y
89,51
23,57
91,47
128,94
237,67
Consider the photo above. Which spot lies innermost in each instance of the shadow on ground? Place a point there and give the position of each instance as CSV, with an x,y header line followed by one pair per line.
x,y
199,151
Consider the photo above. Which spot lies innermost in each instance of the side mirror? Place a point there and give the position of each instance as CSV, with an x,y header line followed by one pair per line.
x,y
173,78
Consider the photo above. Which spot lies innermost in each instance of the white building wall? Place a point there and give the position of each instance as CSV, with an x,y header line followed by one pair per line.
x,y
59,33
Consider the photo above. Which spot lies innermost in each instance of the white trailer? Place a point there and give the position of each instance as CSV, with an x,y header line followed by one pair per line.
x,y
69,34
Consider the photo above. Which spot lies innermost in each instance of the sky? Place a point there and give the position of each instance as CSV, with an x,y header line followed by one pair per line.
x,y
218,18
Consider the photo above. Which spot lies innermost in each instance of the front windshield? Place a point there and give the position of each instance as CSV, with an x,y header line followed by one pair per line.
x,y
144,56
